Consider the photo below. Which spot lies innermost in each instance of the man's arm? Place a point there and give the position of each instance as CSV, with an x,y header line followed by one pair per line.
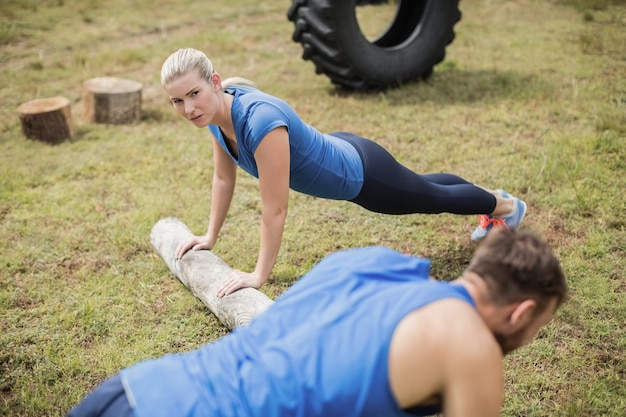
x,y
474,381
443,353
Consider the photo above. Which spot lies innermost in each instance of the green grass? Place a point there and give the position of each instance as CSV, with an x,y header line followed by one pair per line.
x,y
531,98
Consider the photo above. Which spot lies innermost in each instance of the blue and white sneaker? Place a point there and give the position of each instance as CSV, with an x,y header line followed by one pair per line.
x,y
486,222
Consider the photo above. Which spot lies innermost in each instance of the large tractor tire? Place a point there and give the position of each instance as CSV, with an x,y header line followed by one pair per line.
x,y
407,50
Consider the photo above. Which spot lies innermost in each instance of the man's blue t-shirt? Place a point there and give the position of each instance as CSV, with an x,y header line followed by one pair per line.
x,y
320,351
320,165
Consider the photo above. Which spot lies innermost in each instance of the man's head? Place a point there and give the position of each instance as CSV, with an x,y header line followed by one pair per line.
x,y
523,276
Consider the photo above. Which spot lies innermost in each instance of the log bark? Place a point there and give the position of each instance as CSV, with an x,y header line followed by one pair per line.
x,y
202,272
111,100
46,119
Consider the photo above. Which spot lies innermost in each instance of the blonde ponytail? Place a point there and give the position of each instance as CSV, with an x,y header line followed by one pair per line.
x,y
183,61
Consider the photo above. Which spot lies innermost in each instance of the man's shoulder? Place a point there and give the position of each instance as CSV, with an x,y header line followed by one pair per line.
x,y
377,251
439,344
461,321
379,260
454,325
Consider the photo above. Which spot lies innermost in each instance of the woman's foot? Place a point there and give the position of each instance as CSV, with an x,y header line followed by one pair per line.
x,y
512,220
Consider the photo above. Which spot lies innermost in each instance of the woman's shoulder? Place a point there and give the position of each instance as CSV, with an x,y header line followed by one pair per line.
x,y
246,91
253,94
241,89
251,101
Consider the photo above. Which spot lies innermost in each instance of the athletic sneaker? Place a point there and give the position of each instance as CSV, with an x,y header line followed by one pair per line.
x,y
487,222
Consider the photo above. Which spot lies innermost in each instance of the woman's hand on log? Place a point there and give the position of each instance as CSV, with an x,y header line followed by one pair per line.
x,y
239,279
196,243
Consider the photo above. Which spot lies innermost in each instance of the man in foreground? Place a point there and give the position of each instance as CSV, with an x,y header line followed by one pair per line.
x,y
364,333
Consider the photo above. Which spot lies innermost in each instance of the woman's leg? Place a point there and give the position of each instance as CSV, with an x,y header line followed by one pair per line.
x,y
391,188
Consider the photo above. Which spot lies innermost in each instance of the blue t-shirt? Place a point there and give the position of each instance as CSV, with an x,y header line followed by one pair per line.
x,y
299,357
320,165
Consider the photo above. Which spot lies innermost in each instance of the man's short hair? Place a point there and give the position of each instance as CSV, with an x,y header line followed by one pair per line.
x,y
519,265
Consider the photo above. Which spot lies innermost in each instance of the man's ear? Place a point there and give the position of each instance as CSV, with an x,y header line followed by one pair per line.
x,y
523,313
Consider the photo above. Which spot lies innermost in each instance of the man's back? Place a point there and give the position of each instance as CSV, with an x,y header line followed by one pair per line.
x,y
321,350
365,333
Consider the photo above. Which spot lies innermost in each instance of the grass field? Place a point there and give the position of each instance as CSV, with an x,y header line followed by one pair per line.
x,y
531,98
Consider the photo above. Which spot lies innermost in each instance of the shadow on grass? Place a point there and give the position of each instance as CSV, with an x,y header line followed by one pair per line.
x,y
449,263
452,86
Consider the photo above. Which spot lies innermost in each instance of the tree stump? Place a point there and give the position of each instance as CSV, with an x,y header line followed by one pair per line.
x,y
202,272
111,100
46,119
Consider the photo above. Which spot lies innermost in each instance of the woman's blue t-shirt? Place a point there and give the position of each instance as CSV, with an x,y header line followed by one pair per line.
x,y
320,165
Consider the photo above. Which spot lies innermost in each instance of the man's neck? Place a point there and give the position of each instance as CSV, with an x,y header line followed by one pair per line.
x,y
478,290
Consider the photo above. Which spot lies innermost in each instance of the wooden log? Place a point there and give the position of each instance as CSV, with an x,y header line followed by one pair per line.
x,y
111,100
46,119
202,272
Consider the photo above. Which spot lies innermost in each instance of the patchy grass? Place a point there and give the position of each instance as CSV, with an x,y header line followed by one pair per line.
x,y
531,98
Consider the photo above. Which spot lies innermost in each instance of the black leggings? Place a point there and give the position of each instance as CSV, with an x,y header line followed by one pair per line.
x,y
391,188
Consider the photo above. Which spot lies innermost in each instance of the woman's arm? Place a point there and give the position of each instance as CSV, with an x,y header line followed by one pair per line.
x,y
224,178
272,159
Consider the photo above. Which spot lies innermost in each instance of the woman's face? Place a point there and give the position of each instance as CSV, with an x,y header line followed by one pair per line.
x,y
195,98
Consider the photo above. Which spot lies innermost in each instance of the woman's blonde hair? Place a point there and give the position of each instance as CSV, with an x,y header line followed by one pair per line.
x,y
183,61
